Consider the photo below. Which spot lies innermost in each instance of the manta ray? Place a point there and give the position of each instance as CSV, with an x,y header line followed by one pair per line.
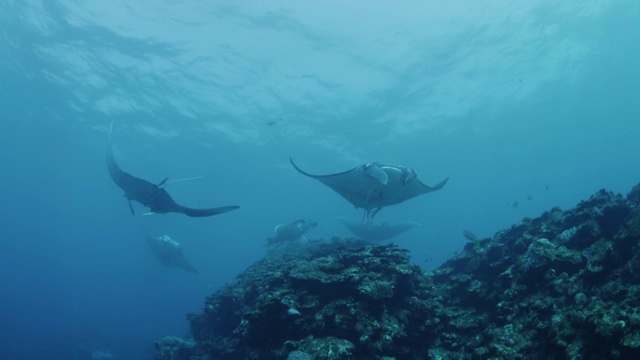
x,y
150,195
373,185
291,232
169,252
376,232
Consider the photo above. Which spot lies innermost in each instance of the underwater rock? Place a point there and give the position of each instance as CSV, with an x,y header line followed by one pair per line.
x,y
563,285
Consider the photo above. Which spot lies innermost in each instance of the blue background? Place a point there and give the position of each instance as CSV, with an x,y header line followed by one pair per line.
x,y
535,103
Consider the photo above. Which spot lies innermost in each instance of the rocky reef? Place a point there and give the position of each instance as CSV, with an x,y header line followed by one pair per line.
x,y
563,285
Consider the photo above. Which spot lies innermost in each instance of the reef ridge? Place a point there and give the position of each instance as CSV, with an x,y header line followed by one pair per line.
x,y
563,285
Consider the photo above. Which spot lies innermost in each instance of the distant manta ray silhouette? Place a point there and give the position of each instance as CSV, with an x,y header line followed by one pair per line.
x,y
150,195
377,232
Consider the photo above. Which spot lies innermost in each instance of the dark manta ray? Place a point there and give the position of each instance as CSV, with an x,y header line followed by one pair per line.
x,y
373,186
153,196
376,232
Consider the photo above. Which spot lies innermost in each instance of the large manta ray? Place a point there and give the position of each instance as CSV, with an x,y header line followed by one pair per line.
x,y
152,196
373,186
376,232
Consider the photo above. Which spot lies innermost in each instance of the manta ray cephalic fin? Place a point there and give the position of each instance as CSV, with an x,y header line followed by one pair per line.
x,y
161,183
131,207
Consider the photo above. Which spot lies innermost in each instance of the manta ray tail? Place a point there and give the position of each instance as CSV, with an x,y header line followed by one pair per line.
x,y
164,182
206,212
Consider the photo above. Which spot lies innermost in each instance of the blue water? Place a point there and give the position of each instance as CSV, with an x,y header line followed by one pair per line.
x,y
529,102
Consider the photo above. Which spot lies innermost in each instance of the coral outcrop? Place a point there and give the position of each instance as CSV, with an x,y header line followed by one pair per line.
x,y
563,285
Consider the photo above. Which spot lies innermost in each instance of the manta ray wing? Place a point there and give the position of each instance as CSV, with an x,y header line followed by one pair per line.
x,y
150,195
206,212
140,190
353,185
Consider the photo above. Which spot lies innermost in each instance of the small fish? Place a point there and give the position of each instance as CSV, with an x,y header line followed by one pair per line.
x,y
529,197
273,122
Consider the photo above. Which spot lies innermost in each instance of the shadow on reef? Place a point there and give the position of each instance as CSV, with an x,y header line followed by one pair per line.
x,y
564,285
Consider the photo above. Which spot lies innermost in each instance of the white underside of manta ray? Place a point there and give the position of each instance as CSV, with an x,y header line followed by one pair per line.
x,y
169,252
377,232
373,186
289,233
294,231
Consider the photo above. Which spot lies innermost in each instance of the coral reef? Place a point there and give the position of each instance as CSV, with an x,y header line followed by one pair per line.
x,y
563,285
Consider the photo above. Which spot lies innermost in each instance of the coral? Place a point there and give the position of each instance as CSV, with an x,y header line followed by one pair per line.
x,y
563,285
334,300
173,348
298,355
